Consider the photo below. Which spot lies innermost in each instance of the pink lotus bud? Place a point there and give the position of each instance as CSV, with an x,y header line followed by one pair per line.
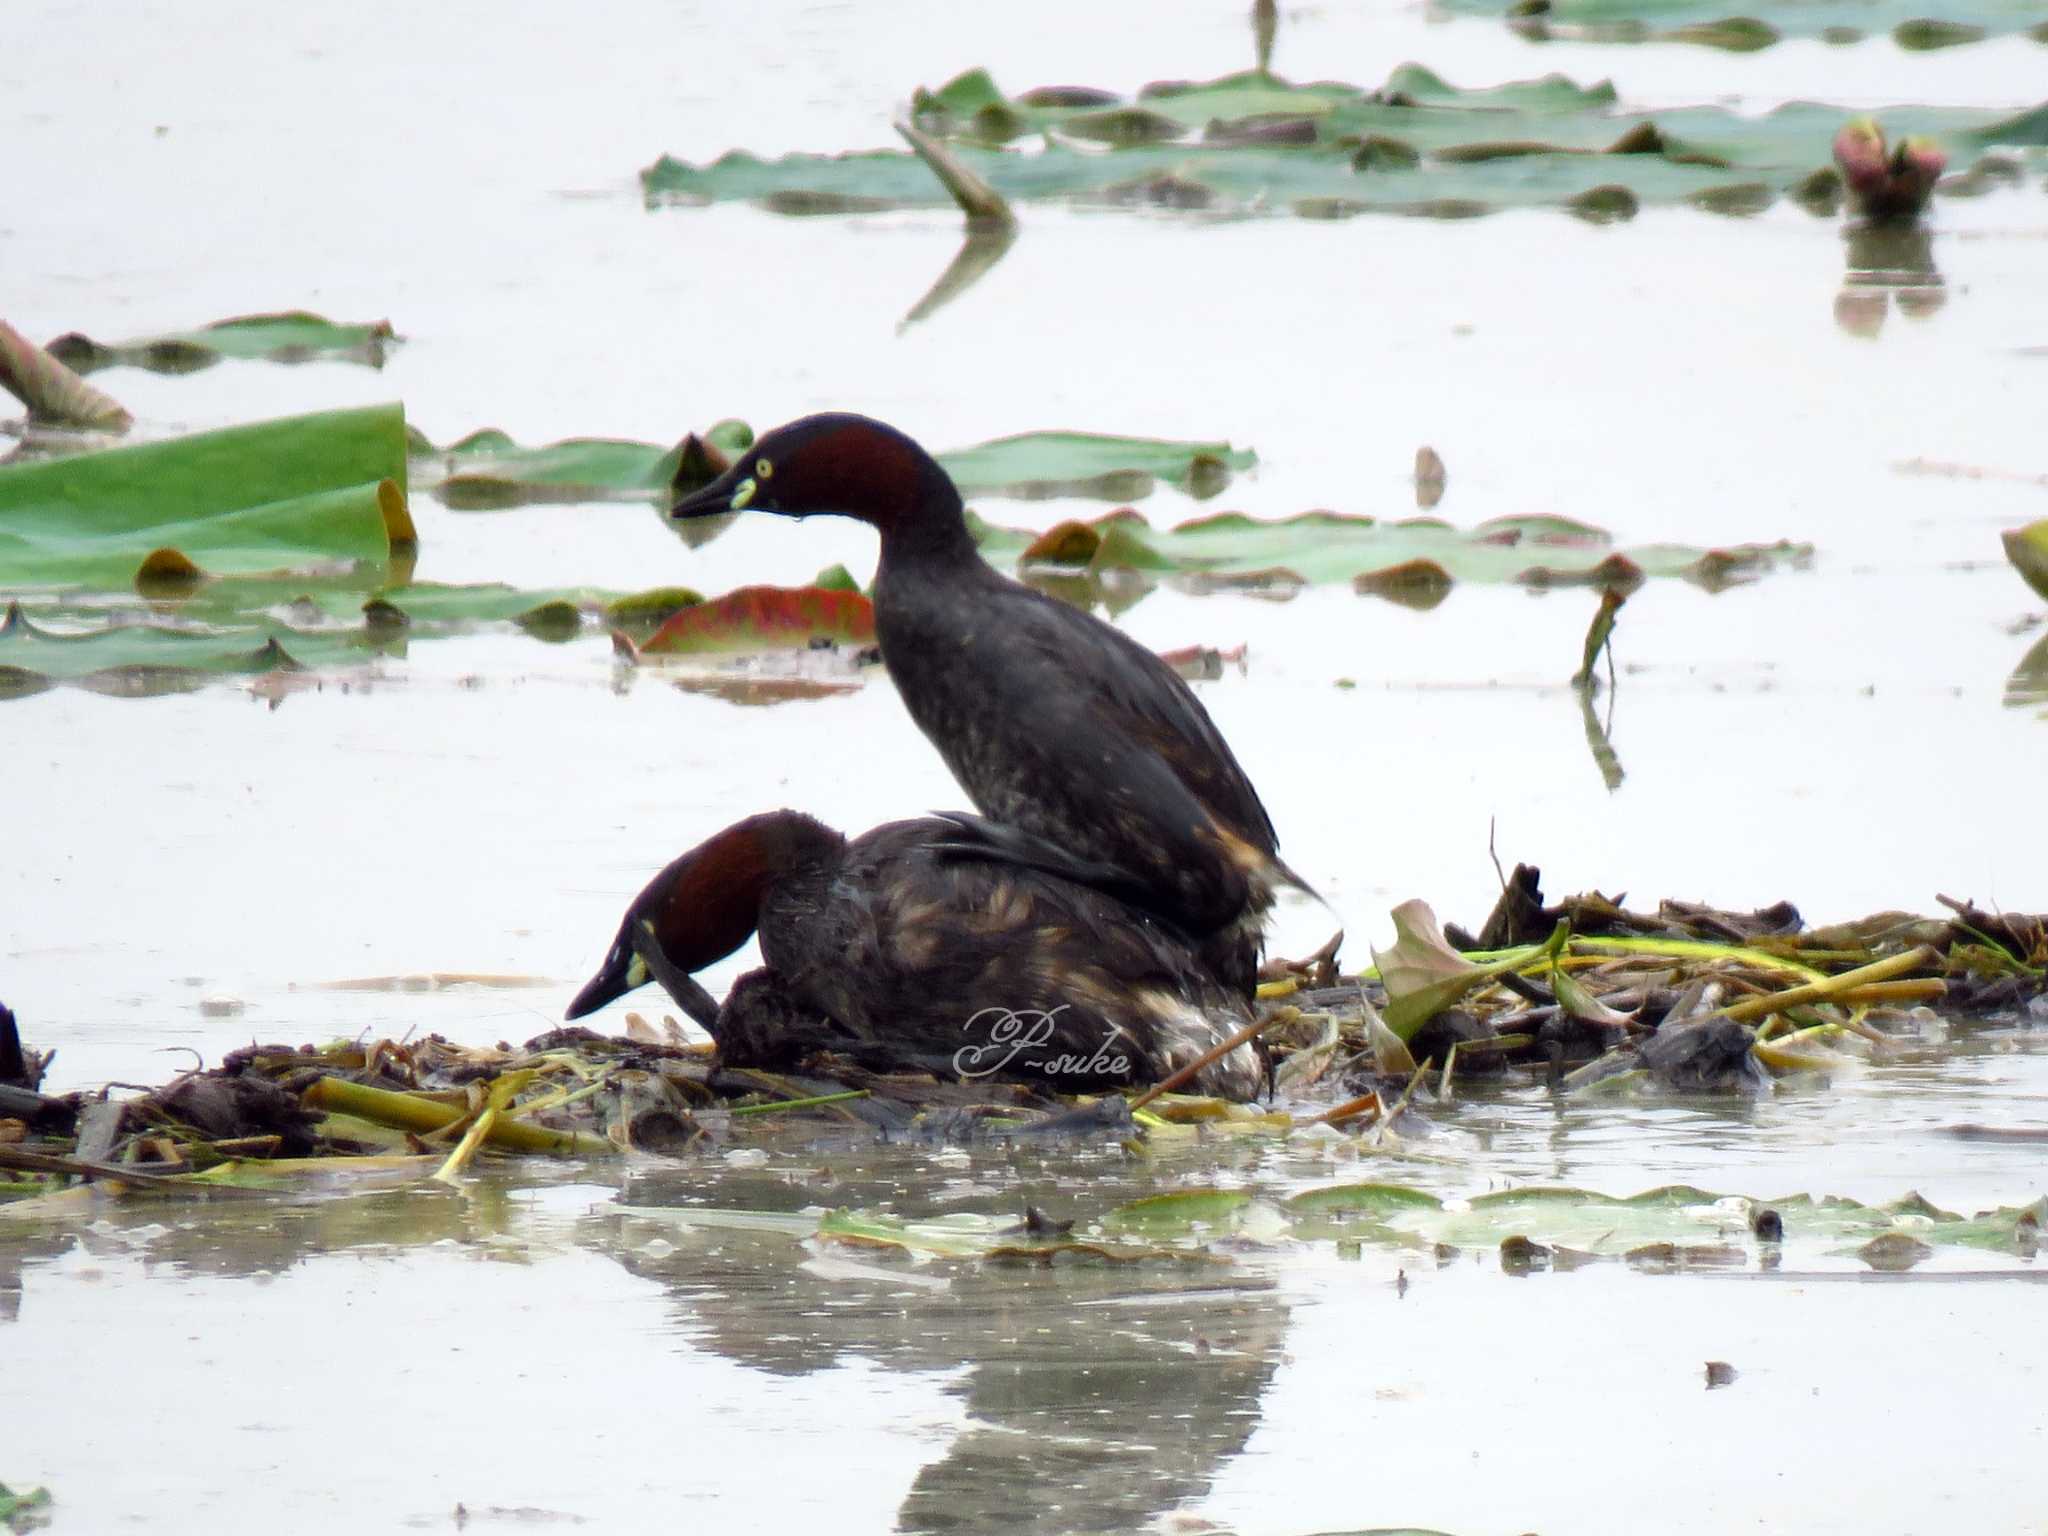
x,y
1886,186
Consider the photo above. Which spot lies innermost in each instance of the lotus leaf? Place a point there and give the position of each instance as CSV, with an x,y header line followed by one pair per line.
x,y
1671,1227
253,625
293,336
2027,549
306,492
1315,547
767,618
152,658
1034,465
487,469
1759,23
1604,1224
1181,1212
1256,143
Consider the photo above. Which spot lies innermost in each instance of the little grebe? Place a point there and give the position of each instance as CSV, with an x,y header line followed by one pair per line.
x,y
904,949
1055,723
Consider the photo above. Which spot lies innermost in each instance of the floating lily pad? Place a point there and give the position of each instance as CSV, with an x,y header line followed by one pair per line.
x,y
767,618
971,107
1916,24
959,1235
1676,1217
306,492
240,626
1036,465
1674,1227
1258,144
1387,558
2027,549
145,659
293,336
1180,1212
488,469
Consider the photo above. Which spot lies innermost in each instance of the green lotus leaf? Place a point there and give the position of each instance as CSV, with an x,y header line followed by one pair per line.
x,y
2027,549
143,659
1758,23
487,469
1258,144
1179,1213
1035,465
303,493
293,336
1319,547
241,626
1670,1226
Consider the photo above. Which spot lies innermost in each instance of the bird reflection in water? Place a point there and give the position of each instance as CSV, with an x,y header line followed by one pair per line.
x,y
1096,1397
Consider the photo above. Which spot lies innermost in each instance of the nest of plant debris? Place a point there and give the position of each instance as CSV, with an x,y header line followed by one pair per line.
x,y
1584,995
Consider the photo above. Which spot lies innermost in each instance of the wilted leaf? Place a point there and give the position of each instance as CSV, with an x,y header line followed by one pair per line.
x,y
292,336
766,618
1302,1068
1583,1005
1424,975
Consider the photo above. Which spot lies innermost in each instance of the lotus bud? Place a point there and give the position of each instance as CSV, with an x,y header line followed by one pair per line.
x,y
1886,186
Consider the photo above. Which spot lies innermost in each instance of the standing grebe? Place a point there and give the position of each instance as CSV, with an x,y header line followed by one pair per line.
x,y
901,950
1055,723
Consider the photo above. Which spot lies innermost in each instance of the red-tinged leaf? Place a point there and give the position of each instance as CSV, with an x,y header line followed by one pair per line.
x,y
766,618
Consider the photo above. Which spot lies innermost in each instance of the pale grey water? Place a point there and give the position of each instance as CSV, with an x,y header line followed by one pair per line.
x,y
1838,737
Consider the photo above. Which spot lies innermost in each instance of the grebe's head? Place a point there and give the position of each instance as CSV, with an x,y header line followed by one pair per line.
x,y
838,463
706,904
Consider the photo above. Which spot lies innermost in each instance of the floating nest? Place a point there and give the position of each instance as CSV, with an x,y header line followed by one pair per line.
x,y
1584,997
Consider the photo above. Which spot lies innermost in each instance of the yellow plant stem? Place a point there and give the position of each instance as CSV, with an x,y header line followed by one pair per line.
x,y
1695,949
450,1172
1828,988
560,1098
412,1112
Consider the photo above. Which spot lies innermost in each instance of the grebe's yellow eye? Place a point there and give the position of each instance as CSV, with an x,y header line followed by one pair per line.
x,y
763,470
